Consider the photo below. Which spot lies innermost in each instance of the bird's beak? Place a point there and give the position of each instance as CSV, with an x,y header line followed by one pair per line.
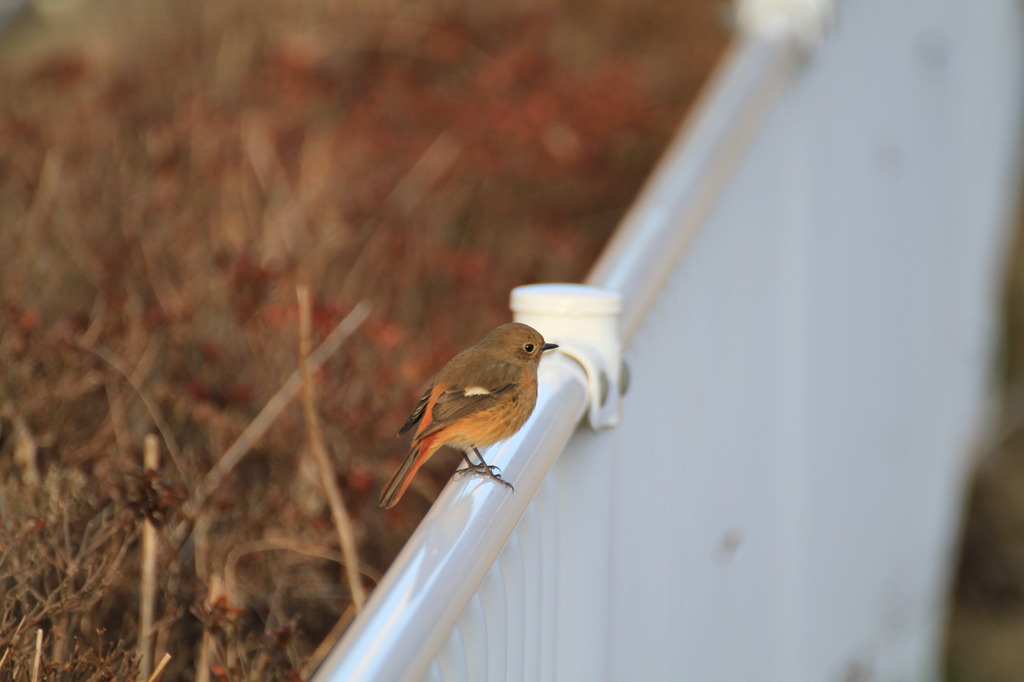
x,y
549,346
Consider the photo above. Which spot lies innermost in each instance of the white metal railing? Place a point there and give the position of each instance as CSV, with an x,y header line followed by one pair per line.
x,y
427,616
417,620
780,497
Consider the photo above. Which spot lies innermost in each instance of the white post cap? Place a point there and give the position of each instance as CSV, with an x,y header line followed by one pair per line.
x,y
584,322
565,299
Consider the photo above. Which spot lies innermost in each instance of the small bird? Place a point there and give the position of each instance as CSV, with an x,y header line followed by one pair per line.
x,y
483,395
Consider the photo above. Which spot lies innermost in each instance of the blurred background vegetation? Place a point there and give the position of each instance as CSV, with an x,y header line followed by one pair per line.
x,y
171,170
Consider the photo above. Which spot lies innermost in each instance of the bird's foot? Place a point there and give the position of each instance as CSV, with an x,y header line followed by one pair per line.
x,y
488,470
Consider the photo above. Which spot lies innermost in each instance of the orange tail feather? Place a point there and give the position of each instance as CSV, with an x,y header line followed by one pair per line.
x,y
418,454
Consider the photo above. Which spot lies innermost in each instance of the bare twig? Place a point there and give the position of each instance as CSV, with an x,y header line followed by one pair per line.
x,y
258,426
39,655
25,452
328,642
432,164
151,462
154,410
118,422
288,545
342,523
207,644
159,672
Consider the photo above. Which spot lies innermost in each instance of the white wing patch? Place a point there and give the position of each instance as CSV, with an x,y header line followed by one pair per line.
x,y
475,390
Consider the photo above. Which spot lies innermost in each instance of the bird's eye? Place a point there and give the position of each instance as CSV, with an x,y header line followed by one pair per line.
x,y
529,347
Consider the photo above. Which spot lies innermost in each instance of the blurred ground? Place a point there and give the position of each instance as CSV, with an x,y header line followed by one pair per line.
x,y
170,170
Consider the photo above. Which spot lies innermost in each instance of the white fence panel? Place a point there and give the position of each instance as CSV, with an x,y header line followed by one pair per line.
x,y
808,384
780,499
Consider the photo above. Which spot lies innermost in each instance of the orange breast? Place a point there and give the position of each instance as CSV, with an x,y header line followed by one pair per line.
x,y
496,424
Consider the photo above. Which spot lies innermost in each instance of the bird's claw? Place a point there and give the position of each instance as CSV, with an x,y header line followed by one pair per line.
x,y
489,470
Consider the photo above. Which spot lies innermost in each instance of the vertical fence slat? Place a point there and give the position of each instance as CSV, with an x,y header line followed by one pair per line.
x,y
547,506
492,594
528,532
513,570
451,658
476,638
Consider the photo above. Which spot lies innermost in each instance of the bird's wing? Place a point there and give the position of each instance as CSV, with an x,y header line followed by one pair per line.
x,y
459,400
417,412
